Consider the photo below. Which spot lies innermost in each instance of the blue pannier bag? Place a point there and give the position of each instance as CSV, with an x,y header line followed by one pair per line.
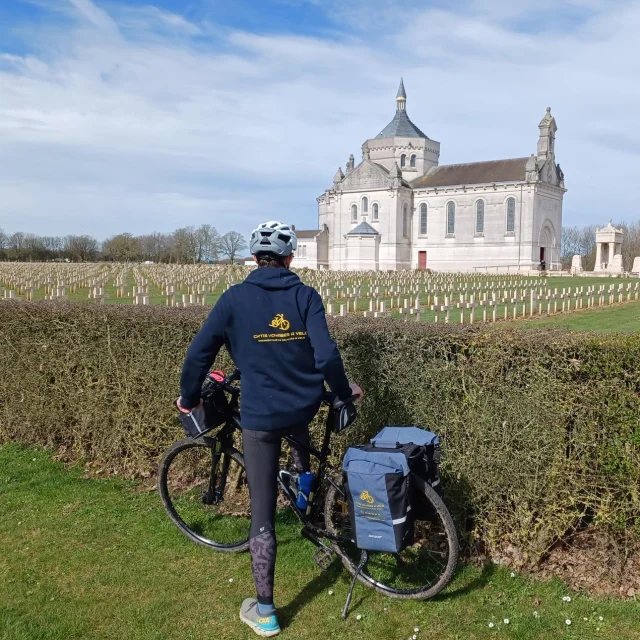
x,y
377,490
427,468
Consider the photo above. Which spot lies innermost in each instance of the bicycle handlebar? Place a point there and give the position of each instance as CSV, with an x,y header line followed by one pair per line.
x,y
328,397
334,402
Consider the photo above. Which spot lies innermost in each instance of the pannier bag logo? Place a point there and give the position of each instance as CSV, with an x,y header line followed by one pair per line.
x,y
279,322
367,497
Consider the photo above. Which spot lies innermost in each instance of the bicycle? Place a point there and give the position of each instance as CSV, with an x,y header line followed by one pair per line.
x,y
204,491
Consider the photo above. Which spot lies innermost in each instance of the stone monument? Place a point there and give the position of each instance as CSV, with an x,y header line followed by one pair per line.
x,y
609,250
636,265
576,265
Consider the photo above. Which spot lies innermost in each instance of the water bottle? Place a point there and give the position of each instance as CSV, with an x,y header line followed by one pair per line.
x,y
304,489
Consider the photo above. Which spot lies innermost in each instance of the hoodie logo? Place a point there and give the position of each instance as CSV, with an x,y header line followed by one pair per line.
x,y
279,322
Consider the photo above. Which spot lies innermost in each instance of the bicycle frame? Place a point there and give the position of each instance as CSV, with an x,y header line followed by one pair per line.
x,y
214,494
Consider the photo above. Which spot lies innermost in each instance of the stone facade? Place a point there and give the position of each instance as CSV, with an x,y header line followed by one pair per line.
x,y
609,249
399,209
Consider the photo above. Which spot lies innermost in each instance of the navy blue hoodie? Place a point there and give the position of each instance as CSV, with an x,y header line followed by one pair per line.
x,y
275,330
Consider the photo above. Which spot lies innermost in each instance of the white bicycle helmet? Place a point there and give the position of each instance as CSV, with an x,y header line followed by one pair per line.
x,y
273,237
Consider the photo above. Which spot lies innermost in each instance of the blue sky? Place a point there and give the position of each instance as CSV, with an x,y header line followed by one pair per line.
x,y
141,116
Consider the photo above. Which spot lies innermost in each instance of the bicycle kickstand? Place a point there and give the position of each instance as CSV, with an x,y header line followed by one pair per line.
x,y
363,560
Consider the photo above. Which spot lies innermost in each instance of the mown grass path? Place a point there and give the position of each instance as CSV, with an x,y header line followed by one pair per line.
x,y
99,560
624,318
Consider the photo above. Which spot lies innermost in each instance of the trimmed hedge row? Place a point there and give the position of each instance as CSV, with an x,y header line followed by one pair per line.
x,y
540,429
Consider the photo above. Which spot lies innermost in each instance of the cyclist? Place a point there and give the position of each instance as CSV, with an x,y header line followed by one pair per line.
x,y
274,328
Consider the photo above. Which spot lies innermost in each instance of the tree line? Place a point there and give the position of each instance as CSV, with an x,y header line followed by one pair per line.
x,y
582,241
184,245
205,244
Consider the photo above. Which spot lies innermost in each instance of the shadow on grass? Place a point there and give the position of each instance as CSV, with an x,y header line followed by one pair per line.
x,y
320,583
478,582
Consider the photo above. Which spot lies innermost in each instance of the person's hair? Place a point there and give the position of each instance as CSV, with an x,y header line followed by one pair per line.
x,y
269,260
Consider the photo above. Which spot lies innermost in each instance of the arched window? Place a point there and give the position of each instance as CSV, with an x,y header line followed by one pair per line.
x,y
480,217
451,218
511,215
365,204
374,210
413,160
405,220
403,160
354,213
423,219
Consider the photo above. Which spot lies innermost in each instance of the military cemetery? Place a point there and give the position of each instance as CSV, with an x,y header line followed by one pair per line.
x,y
416,296
475,474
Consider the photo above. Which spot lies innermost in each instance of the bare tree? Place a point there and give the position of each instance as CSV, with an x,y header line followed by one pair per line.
x,y
231,244
16,245
34,248
122,248
578,241
570,245
208,243
630,243
4,242
81,248
53,244
184,245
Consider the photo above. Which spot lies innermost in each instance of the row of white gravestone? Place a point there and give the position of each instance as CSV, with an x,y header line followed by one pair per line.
x,y
23,277
490,306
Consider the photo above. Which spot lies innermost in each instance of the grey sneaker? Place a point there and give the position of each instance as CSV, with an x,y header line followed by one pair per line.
x,y
265,626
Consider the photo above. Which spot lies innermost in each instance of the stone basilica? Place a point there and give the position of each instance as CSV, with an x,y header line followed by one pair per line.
x,y
399,209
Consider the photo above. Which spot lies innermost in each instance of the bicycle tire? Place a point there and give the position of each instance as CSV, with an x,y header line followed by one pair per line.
x,y
351,564
170,455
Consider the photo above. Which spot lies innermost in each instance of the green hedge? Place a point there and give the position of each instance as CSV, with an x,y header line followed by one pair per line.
x,y
540,429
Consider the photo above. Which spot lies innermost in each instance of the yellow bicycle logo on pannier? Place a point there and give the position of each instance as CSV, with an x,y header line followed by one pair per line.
x,y
279,322
367,497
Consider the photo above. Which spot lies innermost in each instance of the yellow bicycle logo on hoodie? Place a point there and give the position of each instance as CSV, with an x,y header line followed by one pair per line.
x,y
279,322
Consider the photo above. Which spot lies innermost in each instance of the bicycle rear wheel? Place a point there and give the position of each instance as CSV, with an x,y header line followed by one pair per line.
x,y
210,508
418,572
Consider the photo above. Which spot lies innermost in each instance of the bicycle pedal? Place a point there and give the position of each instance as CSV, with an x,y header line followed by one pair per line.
x,y
323,558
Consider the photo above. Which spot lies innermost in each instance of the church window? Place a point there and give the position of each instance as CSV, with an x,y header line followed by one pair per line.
x,y
451,218
413,160
480,217
374,210
405,220
403,160
511,215
365,205
423,219
354,213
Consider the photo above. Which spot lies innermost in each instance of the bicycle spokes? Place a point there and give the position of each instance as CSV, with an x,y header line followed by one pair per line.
x,y
416,568
209,493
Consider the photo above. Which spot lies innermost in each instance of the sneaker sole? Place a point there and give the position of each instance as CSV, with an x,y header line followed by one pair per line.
x,y
258,630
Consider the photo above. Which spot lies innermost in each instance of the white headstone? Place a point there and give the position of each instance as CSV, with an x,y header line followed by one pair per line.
x,y
576,264
636,265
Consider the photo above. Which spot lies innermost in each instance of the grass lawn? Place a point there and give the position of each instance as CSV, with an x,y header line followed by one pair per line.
x,y
99,560
623,318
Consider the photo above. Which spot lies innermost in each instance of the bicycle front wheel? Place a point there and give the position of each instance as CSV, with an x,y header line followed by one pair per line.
x,y
206,495
418,572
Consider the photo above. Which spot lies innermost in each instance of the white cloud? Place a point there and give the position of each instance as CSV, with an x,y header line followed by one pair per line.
x,y
122,122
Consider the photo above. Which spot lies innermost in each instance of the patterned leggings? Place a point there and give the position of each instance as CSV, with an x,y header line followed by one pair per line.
x,y
261,451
